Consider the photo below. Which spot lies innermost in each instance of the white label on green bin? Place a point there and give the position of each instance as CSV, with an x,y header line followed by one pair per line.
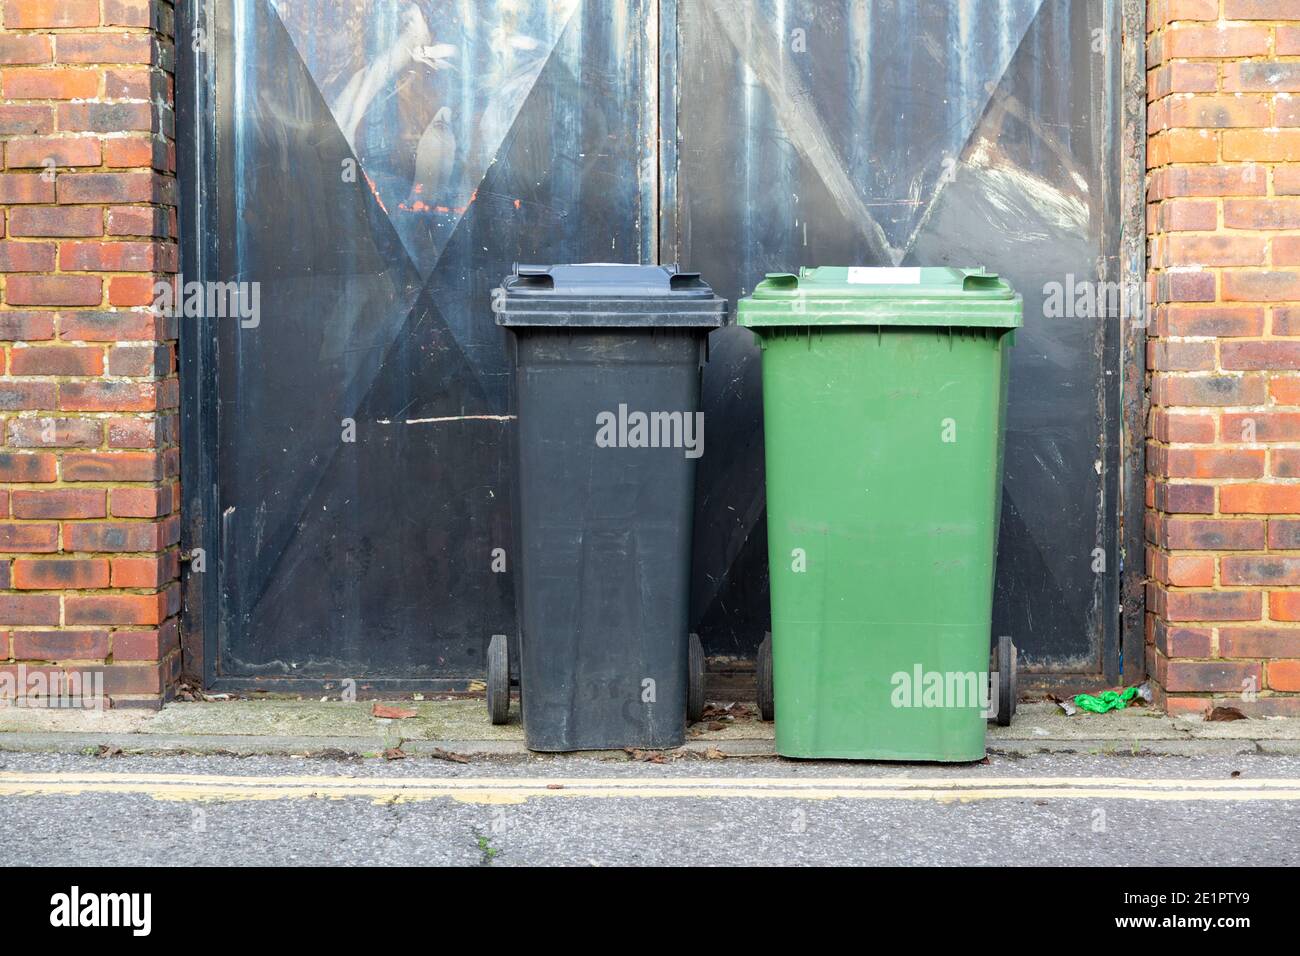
x,y
901,275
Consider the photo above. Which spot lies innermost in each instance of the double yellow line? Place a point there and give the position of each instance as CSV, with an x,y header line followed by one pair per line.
x,y
509,790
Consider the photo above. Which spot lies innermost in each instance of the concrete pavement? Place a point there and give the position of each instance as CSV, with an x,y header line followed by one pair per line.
x,y
461,726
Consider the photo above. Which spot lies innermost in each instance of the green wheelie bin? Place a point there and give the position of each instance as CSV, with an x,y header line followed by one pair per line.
x,y
884,398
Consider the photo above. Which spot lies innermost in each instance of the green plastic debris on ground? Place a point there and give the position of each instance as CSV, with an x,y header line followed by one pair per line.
x,y
1106,700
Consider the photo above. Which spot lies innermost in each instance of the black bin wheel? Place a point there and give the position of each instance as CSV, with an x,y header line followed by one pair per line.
x,y
763,668
498,679
694,679
1005,662
1015,678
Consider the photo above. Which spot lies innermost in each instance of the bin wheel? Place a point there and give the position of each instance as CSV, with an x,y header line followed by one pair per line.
x,y
1015,678
1006,658
694,679
766,704
498,679
518,681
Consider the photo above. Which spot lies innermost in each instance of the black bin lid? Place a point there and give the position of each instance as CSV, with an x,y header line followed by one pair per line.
x,y
607,295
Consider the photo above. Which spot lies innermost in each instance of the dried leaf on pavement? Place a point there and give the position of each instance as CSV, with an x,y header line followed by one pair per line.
x,y
392,711
646,756
1226,713
441,754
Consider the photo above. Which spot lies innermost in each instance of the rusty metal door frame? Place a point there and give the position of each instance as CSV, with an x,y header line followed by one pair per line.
x,y
1134,397
197,352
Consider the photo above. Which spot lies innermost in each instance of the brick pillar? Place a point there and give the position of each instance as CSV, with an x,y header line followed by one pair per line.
x,y
1223,525
89,463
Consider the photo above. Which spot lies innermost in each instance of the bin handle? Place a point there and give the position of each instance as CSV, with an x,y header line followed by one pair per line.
x,y
977,281
782,280
538,277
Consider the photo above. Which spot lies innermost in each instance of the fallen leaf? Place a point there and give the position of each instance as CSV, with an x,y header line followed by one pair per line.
x,y
394,753
441,754
392,711
645,756
713,753
717,725
555,786
1226,713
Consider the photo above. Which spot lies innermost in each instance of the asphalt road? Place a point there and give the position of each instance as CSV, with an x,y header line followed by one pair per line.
x,y
1069,810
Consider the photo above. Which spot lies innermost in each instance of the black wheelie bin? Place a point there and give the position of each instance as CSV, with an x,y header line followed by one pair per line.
x,y
607,366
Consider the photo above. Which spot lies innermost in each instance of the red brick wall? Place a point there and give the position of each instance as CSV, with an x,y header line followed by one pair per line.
x,y
1223,456
89,458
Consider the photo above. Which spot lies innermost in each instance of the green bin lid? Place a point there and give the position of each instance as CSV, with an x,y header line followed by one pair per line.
x,y
898,296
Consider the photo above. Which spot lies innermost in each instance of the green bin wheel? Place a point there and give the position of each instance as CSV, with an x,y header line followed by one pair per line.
x,y
1006,685
766,705
498,679
694,679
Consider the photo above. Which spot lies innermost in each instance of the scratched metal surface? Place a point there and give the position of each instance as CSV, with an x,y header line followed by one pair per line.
x,y
480,135
959,132
488,133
